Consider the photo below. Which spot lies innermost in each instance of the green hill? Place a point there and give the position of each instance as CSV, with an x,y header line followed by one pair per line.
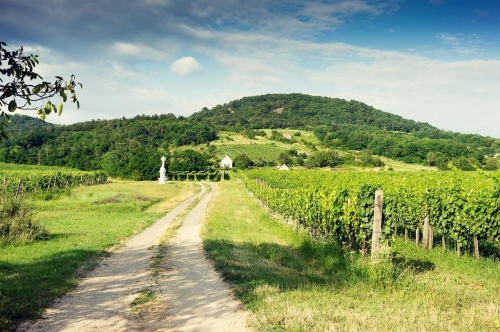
x,y
302,111
352,125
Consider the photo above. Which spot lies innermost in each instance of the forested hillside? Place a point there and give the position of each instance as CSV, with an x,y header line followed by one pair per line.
x,y
353,125
302,111
122,147
132,147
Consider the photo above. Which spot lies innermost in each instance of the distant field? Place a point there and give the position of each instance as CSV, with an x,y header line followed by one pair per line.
x,y
261,148
33,168
265,152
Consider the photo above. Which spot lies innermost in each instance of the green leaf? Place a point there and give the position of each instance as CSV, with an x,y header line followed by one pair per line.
x,y
48,108
59,108
63,95
12,106
37,88
78,104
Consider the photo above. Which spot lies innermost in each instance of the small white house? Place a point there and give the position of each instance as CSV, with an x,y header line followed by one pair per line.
x,y
283,167
226,162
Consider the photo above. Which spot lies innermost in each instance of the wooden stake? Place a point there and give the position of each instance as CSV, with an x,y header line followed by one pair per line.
x,y
18,188
425,233
377,222
476,246
431,238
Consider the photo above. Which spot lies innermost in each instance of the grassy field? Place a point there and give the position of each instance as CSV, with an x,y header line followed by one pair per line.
x,y
32,168
291,283
82,227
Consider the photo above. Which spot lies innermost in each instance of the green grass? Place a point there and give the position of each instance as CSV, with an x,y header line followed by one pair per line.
x,y
82,226
5,167
144,296
291,283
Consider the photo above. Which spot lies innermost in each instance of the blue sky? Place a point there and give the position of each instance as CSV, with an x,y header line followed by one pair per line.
x,y
435,61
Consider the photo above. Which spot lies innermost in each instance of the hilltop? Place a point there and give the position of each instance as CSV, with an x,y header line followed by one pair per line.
x,y
302,111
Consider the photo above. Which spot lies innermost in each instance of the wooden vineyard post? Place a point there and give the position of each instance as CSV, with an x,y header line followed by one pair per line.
x,y
431,238
377,223
18,188
425,233
476,246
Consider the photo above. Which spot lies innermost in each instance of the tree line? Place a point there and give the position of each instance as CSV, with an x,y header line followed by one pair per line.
x,y
128,148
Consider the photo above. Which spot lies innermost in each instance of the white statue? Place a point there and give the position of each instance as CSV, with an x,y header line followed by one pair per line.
x,y
162,170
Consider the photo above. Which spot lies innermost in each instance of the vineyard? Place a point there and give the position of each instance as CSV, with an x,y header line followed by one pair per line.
x,y
209,175
461,210
22,179
266,152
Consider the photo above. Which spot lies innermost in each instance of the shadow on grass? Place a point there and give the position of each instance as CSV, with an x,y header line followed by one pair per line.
x,y
248,265
415,265
25,289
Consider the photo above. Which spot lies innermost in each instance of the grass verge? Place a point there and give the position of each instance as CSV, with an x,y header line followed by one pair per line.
x,y
82,226
291,283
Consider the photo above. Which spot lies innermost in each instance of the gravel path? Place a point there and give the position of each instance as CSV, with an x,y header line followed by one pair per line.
x,y
190,296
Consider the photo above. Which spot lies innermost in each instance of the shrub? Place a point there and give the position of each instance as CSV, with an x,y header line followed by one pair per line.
x,y
16,221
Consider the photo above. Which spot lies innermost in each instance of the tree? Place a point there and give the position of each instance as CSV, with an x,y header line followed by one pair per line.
x,y
19,87
242,161
284,158
188,161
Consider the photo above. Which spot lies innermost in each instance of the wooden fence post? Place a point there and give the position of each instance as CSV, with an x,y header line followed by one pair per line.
x,y
476,247
431,238
377,223
425,232
18,188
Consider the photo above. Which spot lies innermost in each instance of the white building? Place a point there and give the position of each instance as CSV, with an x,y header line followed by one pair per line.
x,y
226,162
283,168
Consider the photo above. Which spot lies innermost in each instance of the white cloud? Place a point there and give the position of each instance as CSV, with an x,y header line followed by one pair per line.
x,y
186,66
448,39
457,96
254,47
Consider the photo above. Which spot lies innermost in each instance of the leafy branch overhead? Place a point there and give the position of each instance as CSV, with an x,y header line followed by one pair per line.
x,y
19,89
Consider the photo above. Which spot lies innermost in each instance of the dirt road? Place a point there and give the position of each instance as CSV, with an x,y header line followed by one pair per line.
x,y
189,295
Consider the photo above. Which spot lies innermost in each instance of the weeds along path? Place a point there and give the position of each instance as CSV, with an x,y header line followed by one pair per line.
x,y
102,301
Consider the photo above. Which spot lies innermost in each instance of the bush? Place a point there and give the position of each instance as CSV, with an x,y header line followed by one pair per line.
x,y
16,222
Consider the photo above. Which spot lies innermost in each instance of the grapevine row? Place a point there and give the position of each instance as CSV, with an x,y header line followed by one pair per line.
x,y
214,175
462,207
15,183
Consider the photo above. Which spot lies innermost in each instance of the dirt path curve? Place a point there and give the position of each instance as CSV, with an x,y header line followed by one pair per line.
x,y
102,300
